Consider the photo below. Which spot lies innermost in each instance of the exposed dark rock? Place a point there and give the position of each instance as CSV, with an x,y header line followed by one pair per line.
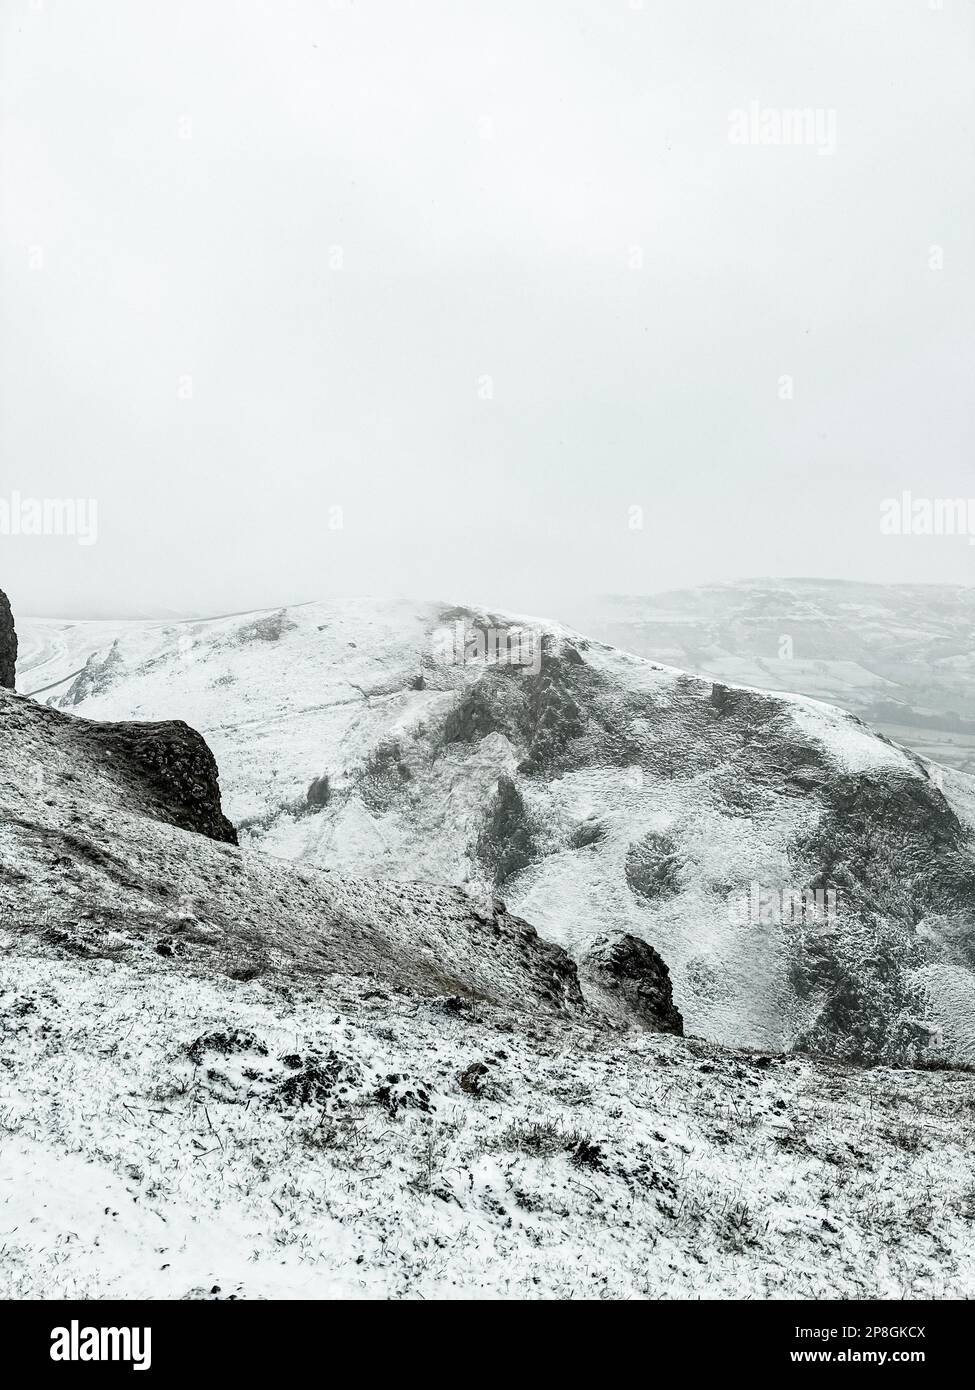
x,y
224,1044
537,711
162,770
653,867
315,1080
892,851
866,1006
893,845
753,707
319,792
469,618
267,629
505,844
99,674
481,1079
385,777
8,644
554,715
492,705
719,697
400,1092
590,832
176,769
627,976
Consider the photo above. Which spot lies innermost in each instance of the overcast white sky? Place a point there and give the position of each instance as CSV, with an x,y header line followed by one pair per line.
x,y
180,181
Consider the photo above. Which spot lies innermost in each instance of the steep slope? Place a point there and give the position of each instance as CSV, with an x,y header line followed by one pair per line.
x,y
102,856
600,793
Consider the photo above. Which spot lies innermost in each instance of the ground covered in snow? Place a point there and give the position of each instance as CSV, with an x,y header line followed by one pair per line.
x,y
168,1136
227,1075
594,790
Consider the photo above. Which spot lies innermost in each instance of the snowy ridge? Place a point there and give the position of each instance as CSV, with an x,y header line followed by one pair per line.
x,y
899,655
606,793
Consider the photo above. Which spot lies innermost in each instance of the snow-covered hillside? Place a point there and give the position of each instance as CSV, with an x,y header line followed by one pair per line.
x,y
230,1076
166,1135
112,844
595,790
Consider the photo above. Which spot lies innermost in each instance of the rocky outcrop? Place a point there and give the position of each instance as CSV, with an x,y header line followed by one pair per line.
x,y
505,844
653,867
270,628
176,769
630,980
97,677
8,644
163,771
899,862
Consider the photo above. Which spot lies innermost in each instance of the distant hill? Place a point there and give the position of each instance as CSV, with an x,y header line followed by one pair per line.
x,y
902,656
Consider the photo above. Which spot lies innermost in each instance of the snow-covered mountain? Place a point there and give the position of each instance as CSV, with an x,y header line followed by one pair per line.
x,y
596,791
232,1076
227,1076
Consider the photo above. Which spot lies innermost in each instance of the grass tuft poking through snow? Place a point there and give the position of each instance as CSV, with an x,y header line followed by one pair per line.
x,y
166,1136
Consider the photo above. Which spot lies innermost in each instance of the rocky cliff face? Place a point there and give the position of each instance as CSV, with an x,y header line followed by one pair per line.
x,y
8,644
173,766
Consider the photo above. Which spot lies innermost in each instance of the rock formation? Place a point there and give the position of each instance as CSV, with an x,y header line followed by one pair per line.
x,y
628,978
8,644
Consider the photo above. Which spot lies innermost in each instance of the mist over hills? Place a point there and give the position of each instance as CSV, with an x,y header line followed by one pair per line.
x,y
902,656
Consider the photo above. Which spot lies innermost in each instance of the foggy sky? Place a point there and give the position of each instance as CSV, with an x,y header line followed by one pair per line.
x,y
424,298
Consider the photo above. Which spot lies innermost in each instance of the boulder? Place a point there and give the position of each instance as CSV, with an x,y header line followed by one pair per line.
x,y
630,980
8,644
